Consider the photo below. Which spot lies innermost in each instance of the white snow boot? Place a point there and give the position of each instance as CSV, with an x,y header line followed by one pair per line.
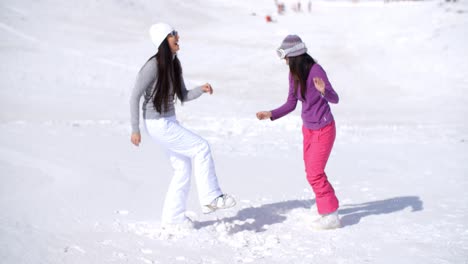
x,y
179,229
221,202
328,221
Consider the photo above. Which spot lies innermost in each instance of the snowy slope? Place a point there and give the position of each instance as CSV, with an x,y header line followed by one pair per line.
x,y
74,190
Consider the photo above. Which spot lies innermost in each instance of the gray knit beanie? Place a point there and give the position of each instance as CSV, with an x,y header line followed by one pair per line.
x,y
292,46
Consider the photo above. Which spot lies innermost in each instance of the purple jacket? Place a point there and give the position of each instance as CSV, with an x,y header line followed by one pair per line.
x,y
316,112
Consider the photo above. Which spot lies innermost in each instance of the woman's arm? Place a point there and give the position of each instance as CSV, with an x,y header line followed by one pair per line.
x,y
288,106
192,94
328,93
145,78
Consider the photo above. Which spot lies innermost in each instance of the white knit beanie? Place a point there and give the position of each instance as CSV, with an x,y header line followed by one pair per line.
x,y
158,32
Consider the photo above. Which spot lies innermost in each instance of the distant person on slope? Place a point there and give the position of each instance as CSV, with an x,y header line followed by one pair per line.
x,y
309,84
160,82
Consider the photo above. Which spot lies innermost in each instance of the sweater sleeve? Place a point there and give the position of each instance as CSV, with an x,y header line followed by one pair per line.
x,y
190,94
288,106
145,78
330,95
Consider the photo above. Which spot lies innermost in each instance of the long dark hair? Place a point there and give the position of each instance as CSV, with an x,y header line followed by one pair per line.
x,y
169,71
300,66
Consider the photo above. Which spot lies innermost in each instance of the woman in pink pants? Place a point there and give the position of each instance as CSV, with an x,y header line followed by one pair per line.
x,y
309,84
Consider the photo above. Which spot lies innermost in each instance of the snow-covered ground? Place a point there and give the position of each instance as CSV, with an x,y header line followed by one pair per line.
x,y
74,190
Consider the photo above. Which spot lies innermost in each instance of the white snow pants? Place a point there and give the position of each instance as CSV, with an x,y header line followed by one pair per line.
x,y
183,147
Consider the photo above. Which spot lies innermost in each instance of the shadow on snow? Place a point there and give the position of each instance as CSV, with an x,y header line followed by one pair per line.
x,y
267,214
352,214
255,218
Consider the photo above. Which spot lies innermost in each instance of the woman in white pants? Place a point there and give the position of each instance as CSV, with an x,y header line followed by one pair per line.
x,y
160,83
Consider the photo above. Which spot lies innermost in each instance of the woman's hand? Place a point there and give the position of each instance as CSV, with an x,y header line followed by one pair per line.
x,y
136,138
319,85
263,115
207,88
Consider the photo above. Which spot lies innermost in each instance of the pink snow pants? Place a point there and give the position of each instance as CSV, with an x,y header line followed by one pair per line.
x,y
317,147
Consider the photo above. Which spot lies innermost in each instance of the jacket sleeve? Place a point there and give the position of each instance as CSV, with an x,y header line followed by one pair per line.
x,y
288,106
330,95
190,94
145,78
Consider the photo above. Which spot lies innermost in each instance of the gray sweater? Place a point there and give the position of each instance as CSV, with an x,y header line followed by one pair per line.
x,y
144,85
